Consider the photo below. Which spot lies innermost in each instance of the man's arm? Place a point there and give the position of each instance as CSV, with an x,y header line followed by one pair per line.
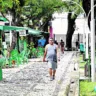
x,y
45,53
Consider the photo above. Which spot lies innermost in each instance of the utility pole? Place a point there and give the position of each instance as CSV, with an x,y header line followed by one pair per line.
x,y
86,44
92,42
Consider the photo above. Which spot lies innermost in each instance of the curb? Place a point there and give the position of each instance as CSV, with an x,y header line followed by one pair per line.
x,y
64,93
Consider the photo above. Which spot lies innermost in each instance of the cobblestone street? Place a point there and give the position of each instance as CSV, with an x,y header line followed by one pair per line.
x,y
33,79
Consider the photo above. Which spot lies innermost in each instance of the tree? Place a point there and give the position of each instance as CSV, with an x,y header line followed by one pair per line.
x,y
37,10
87,7
30,12
73,11
26,11
70,31
12,7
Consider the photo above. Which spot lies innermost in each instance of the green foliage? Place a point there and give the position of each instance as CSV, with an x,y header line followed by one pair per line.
x,y
34,10
31,46
4,4
13,7
74,7
82,64
87,88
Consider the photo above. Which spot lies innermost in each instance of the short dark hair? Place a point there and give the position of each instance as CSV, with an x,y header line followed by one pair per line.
x,y
51,38
61,40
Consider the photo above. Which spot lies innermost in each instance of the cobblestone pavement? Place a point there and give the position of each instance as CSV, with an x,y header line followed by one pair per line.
x,y
33,80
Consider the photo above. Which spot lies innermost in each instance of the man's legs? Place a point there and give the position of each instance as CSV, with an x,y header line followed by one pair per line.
x,y
62,49
54,71
50,72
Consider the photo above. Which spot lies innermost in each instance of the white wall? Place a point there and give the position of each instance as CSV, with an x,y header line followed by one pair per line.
x,y
59,24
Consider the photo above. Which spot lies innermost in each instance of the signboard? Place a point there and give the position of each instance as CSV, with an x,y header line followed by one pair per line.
x,y
7,37
2,23
22,33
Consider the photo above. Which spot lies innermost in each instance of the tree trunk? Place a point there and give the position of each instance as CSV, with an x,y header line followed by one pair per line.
x,y
14,34
46,24
15,22
86,6
14,40
45,28
70,31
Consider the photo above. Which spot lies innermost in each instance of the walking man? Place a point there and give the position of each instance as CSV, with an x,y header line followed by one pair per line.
x,y
62,46
77,44
51,54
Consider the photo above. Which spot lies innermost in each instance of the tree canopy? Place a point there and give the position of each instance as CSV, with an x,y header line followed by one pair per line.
x,y
37,13
30,12
36,10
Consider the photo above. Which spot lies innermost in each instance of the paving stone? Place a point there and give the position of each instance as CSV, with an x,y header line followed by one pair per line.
x,y
32,79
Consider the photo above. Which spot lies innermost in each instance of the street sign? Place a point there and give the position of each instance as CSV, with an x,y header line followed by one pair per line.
x,y
22,33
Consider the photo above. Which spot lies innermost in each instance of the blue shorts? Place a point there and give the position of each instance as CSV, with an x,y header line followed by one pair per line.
x,y
52,64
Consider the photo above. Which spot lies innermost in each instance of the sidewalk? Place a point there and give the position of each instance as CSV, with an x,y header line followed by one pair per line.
x,y
32,79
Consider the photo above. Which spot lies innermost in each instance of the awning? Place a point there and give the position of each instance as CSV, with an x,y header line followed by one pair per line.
x,y
34,32
16,28
7,28
3,19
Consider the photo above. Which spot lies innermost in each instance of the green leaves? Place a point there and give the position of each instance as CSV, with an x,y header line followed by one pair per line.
x,y
34,10
73,6
4,4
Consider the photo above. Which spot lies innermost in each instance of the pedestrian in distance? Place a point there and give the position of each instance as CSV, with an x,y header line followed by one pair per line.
x,y
51,56
77,44
62,46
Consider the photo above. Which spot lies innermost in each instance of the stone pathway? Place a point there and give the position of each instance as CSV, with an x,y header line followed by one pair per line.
x,y
33,79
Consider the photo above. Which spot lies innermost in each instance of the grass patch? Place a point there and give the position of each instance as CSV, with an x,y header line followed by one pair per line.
x,y
87,88
80,58
82,64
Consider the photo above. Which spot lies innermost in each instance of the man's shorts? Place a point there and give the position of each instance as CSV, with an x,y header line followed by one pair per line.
x,y
52,64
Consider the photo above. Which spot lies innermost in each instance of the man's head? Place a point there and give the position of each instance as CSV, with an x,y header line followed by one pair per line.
x,y
61,40
51,41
